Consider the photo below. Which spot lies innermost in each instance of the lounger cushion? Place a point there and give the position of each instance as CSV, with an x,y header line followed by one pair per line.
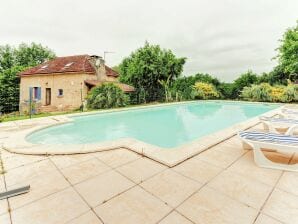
x,y
269,137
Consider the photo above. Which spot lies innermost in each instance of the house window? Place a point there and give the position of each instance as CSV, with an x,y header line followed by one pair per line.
x,y
60,92
36,93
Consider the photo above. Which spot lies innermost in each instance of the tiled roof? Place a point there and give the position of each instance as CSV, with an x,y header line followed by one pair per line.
x,y
69,64
124,87
111,72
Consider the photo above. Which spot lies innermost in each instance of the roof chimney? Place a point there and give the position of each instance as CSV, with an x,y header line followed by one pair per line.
x,y
99,64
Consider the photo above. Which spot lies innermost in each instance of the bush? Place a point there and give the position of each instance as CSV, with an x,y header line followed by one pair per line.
x,y
182,88
205,91
267,93
245,80
107,96
226,90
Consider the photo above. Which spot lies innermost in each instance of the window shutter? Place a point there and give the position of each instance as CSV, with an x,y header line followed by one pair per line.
x,y
39,93
30,93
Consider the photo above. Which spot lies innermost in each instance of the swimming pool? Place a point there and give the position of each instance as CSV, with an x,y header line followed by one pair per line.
x,y
165,126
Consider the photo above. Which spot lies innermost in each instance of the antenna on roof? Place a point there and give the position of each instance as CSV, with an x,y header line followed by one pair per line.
x,y
107,52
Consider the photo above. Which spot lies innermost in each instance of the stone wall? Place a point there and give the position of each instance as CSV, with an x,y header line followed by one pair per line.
x,y
74,90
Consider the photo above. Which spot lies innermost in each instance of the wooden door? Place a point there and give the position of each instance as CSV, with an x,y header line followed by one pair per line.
x,y
48,96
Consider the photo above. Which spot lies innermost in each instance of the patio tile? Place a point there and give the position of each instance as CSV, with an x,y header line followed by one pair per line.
x,y
282,206
20,160
171,187
230,149
175,218
210,206
117,157
241,188
247,167
84,170
133,206
289,182
141,169
103,187
28,172
87,218
40,187
264,219
5,219
2,186
218,158
3,205
68,160
5,154
198,170
60,207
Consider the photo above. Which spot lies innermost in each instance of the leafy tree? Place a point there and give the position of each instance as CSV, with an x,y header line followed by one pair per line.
x,y
33,54
26,55
12,61
226,90
9,91
107,96
246,79
146,68
288,54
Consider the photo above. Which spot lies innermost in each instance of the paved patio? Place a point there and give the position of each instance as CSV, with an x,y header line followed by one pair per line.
x,y
220,185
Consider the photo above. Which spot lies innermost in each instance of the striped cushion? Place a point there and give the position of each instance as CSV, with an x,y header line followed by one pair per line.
x,y
280,120
269,137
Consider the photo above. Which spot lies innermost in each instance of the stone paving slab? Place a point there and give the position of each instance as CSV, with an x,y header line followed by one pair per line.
x,y
221,185
133,206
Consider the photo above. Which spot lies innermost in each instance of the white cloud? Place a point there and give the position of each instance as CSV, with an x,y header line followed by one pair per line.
x,y
223,38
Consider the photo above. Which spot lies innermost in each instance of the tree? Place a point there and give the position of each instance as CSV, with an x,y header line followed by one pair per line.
x,y
9,91
147,68
245,79
288,54
26,55
12,61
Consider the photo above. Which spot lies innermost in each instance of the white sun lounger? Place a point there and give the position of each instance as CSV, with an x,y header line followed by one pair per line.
x,y
278,142
274,124
289,113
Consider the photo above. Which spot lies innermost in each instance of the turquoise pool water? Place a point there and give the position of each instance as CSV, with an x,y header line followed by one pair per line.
x,y
165,126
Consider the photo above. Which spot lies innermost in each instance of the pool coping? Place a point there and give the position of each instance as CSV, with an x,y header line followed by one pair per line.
x,y
16,142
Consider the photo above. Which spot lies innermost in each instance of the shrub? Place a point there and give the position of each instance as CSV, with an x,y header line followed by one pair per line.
x,y
267,93
107,96
244,80
226,90
205,91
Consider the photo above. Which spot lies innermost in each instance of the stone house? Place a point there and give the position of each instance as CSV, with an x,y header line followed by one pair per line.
x,y
63,83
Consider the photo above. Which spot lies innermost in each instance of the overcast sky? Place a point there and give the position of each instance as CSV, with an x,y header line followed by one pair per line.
x,y
220,37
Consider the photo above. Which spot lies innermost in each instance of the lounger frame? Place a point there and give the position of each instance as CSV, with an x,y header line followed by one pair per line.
x,y
262,161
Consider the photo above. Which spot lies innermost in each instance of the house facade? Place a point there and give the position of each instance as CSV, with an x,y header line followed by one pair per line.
x,y
64,82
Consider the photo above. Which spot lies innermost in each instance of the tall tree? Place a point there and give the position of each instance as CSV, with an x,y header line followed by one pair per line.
x,y
246,79
288,55
12,61
147,68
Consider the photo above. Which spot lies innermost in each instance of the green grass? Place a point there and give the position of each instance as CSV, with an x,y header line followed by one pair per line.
x,y
16,117
9,117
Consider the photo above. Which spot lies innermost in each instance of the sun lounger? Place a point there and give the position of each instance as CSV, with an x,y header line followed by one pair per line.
x,y
289,113
273,141
280,125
